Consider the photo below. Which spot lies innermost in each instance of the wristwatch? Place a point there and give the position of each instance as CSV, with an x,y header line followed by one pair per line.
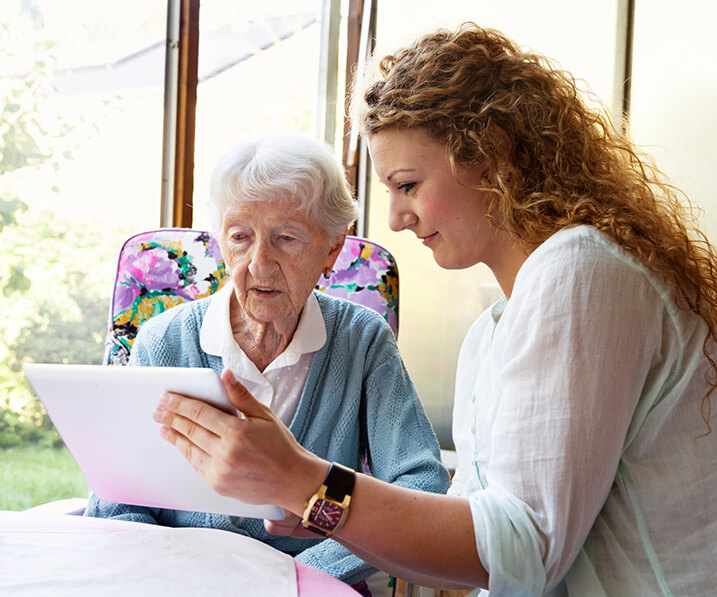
x,y
328,508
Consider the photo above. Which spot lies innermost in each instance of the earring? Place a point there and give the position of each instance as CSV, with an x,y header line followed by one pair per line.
x,y
327,272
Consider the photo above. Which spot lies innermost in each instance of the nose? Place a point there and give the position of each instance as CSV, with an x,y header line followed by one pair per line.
x,y
263,261
400,213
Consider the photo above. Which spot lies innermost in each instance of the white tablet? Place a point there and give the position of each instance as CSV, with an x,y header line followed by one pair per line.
x,y
104,416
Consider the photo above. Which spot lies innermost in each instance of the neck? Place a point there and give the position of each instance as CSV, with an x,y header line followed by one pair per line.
x,y
261,341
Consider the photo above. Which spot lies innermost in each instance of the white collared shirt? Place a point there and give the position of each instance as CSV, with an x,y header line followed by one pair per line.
x,y
280,385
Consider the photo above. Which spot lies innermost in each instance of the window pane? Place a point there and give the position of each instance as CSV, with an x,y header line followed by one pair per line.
x,y
674,94
438,306
258,73
80,155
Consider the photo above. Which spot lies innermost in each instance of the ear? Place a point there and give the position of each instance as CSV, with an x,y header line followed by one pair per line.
x,y
334,251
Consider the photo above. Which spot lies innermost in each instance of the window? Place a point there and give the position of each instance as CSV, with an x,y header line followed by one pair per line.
x,y
674,92
81,133
258,73
80,169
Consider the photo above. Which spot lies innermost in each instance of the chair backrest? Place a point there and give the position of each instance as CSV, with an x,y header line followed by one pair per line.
x,y
162,268
365,273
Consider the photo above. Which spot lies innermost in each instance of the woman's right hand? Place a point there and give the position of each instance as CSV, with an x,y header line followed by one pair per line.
x,y
252,457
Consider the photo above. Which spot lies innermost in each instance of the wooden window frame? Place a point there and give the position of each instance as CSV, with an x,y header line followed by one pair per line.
x,y
180,102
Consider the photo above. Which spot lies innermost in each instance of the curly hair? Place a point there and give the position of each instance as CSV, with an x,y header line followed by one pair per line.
x,y
553,161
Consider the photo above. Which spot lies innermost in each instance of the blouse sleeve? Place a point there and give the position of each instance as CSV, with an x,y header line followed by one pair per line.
x,y
580,341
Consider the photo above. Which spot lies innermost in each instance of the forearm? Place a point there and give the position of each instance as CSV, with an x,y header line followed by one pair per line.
x,y
418,536
396,528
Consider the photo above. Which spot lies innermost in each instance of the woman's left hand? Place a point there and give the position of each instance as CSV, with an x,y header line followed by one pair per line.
x,y
252,457
290,525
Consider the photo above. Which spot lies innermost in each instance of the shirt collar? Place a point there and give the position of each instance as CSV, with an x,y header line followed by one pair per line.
x,y
216,338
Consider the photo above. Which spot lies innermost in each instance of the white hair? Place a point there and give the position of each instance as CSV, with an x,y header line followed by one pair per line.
x,y
285,167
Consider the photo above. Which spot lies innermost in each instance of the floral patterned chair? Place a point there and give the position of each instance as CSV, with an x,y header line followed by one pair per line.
x,y
160,269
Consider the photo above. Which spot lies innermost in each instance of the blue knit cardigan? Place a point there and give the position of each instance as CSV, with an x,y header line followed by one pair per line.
x,y
358,402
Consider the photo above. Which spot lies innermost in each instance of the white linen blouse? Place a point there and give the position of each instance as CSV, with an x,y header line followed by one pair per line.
x,y
577,428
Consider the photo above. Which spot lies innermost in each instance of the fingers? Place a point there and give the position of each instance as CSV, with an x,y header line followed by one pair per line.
x,y
190,409
291,525
197,425
203,435
243,399
191,452
257,460
283,527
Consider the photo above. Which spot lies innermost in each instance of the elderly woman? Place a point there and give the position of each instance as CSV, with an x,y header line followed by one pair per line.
x,y
328,368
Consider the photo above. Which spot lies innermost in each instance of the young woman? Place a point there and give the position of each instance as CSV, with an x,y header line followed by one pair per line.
x,y
582,413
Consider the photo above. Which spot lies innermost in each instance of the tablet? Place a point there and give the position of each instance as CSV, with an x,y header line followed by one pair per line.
x,y
104,416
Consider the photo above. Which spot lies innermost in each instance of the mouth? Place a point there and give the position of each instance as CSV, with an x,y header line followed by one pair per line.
x,y
427,240
264,290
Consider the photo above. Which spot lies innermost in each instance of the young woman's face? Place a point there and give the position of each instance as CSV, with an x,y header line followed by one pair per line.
x,y
443,211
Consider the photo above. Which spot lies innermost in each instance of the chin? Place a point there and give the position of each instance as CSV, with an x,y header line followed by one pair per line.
x,y
453,263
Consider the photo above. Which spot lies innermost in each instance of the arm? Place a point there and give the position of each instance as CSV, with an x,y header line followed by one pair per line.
x,y
258,460
579,346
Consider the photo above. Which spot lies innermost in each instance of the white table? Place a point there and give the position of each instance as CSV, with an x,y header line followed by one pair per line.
x,y
55,554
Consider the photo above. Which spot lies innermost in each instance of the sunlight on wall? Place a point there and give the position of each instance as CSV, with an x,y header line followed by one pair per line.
x,y
674,94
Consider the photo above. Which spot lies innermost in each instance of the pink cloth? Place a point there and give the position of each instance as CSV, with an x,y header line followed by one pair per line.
x,y
314,583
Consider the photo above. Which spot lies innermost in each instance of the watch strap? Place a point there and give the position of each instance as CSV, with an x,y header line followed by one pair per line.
x,y
339,482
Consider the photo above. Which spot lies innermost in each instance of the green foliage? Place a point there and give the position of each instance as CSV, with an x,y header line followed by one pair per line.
x,y
33,475
8,209
17,429
23,136
22,131
52,310
60,318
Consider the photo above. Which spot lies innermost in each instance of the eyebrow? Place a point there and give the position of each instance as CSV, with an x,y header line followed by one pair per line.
x,y
397,170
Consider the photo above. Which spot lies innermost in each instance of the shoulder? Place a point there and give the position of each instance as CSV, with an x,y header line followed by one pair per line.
x,y
355,334
584,256
171,338
582,272
580,243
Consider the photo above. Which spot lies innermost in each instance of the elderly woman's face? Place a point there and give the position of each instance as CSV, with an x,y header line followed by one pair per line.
x,y
274,256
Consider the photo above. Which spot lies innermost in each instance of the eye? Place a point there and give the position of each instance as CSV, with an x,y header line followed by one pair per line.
x,y
406,187
237,236
286,238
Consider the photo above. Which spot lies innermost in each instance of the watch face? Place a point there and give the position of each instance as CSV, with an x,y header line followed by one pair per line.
x,y
326,514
